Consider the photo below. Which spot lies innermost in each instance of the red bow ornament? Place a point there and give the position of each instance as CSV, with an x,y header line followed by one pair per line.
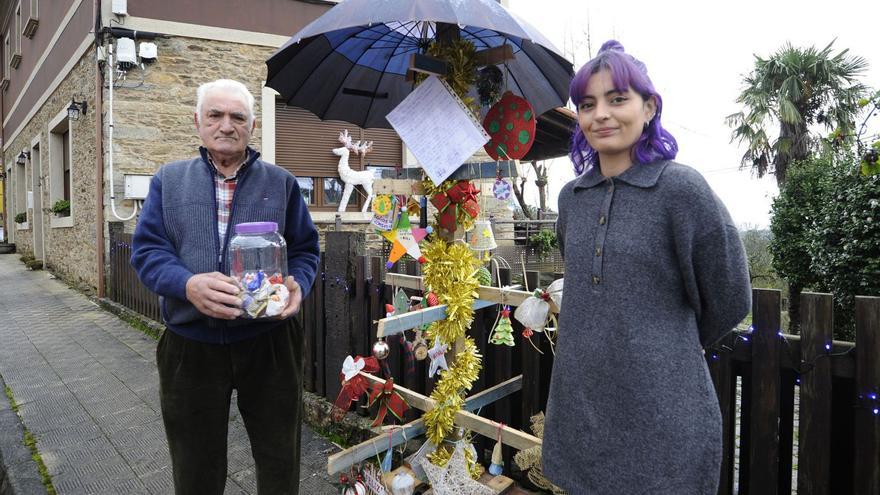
x,y
458,205
389,400
353,384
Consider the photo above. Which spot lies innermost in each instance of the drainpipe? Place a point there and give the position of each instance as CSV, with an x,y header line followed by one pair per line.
x,y
99,155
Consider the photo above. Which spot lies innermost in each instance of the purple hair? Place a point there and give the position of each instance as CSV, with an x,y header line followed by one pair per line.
x,y
655,143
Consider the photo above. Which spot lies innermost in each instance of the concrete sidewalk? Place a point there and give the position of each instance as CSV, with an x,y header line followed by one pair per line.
x,y
87,389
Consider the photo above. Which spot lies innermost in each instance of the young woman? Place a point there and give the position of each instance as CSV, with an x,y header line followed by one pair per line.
x,y
654,272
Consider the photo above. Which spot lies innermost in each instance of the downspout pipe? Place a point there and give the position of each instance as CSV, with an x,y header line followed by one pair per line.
x,y
99,153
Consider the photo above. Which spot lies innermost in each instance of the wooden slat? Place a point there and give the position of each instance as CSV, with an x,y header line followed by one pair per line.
x,y
342,460
398,186
867,420
720,368
495,295
764,448
396,324
814,465
341,249
320,330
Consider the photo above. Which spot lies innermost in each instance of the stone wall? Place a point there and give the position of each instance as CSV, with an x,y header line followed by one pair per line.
x,y
153,107
68,250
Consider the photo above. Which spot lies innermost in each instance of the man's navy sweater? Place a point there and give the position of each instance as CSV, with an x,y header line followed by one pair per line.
x,y
176,237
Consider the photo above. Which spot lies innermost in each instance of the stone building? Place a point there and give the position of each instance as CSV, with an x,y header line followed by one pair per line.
x,y
78,149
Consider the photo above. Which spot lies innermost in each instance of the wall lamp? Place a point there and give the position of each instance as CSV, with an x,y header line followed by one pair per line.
x,y
76,109
23,157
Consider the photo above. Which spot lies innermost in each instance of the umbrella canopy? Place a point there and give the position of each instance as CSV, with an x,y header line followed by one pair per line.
x,y
350,64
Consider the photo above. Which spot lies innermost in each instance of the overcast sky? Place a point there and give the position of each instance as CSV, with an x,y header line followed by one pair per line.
x,y
696,55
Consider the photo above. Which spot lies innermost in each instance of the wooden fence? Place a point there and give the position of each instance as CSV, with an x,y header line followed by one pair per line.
x,y
756,373
123,285
837,421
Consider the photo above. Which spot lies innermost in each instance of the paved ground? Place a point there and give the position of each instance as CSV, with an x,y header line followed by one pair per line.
x,y
87,389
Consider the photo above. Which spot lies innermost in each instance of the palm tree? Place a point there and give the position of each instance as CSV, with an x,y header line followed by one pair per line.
x,y
795,88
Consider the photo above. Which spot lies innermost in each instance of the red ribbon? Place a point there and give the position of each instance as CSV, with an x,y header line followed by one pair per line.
x,y
354,388
389,400
462,198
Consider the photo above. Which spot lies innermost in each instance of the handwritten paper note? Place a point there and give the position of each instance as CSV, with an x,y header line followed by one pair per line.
x,y
437,128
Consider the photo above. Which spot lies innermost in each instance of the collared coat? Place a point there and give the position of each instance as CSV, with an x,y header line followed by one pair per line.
x,y
654,272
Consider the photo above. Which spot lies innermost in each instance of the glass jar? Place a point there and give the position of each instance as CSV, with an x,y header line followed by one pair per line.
x,y
257,261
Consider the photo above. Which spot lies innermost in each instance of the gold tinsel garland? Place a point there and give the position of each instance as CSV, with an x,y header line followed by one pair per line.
x,y
451,274
461,74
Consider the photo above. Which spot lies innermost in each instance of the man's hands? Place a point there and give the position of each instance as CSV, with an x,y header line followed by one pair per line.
x,y
214,294
294,300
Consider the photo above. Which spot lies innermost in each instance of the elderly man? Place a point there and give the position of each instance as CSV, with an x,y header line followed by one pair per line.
x,y
179,250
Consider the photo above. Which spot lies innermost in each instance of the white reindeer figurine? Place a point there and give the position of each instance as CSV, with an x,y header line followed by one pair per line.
x,y
353,177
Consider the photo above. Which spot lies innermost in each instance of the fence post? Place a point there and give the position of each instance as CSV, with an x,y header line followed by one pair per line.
x,y
867,413
342,251
764,424
721,370
814,462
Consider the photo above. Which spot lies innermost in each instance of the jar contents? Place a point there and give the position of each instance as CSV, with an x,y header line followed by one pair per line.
x,y
257,263
262,295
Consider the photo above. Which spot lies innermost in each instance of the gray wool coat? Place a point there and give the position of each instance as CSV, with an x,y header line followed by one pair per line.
x,y
654,272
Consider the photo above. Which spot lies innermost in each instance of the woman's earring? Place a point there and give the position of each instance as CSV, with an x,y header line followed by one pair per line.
x,y
645,127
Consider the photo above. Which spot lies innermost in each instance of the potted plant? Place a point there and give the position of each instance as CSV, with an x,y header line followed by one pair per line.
x,y
21,217
61,208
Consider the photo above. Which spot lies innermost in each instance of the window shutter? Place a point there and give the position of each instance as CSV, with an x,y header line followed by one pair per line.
x,y
303,143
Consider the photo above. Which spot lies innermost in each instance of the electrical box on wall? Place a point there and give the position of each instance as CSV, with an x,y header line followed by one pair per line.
x,y
125,53
137,186
120,7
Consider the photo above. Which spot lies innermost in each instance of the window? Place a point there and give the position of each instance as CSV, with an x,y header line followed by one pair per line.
x,y
15,59
61,168
30,26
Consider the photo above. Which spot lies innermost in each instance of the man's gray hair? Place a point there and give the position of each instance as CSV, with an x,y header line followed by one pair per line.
x,y
230,86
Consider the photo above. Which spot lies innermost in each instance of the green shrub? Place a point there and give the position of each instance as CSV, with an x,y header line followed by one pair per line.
x,y
543,242
21,217
61,207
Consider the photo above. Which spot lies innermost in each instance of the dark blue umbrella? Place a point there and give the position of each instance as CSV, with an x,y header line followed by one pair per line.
x,y
350,64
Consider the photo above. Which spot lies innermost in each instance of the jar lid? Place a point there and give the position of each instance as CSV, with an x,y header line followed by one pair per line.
x,y
256,228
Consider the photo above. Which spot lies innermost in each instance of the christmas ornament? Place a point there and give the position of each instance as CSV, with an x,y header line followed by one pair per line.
x,y
388,400
511,125
381,349
501,189
405,240
438,357
353,384
489,81
420,345
432,299
502,334
385,208
352,486
497,465
401,302
402,484
456,203
454,478
484,276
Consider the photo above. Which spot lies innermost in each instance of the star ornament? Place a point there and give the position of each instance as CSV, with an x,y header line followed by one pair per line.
x,y
405,240
453,479
438,357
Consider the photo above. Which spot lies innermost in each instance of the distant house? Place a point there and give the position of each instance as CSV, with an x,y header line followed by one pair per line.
x,y
71,174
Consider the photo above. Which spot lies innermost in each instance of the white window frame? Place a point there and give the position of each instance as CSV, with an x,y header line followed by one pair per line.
x,y
19,182
56,167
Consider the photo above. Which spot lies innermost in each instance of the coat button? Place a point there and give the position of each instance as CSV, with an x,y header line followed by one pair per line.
x,y
602,220
596,280
598,251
